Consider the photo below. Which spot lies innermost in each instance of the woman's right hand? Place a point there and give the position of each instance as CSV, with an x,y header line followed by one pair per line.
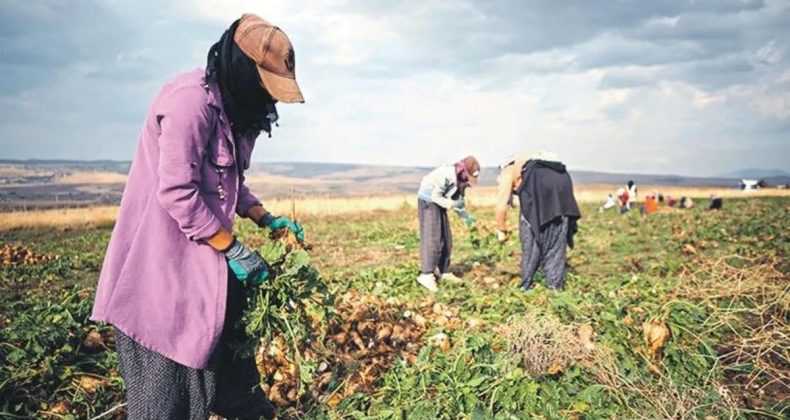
x,y
282,222
246,264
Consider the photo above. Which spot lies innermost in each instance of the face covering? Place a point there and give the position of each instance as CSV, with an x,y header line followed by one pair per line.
x,y
462,176
248,105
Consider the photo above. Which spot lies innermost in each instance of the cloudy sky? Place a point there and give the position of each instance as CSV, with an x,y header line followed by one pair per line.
x,y
692,87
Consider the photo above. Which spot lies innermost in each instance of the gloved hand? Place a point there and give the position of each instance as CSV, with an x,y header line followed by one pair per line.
x,y
280,222
246,264
501,236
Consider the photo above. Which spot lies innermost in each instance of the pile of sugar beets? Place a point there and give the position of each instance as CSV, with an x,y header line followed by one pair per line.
x,y
312,347
20,255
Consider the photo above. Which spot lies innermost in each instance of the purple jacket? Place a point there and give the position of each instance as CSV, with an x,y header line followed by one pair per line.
x,y
160,284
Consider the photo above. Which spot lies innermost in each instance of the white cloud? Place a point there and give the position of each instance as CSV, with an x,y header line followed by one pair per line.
x,y
352,39
349,39
225,11
774,104
703,99
769,53
555,60
608,98
663,21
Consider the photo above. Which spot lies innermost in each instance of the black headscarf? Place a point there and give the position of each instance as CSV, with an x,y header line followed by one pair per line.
x,y
248,105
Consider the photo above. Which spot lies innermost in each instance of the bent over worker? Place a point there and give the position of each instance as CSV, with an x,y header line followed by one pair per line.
x,y
549,213
442,189
174,276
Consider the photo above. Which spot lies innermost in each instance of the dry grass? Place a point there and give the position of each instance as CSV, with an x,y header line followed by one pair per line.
x,y
660,399
544,345
760,339
595,193
91,177
760,331
90,217
478,197
342,205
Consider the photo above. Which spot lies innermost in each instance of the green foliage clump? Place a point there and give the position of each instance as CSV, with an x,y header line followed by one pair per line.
x,y
293,301
44,360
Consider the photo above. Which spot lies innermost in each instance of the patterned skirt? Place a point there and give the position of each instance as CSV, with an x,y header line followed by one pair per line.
x,y
159,388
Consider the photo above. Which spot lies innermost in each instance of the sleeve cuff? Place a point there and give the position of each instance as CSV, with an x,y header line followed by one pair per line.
x,y
207,230
244,206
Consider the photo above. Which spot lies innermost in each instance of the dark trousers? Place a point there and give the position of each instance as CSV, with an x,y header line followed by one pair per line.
x,y
436,239
548,249
159,388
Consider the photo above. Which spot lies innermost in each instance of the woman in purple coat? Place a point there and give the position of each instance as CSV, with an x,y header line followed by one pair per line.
x,y
173,278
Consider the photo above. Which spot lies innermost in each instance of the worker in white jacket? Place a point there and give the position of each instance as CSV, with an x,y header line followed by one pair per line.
x,y
442,189
632,191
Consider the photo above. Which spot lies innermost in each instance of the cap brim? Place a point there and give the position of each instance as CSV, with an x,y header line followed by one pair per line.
x,y
283,89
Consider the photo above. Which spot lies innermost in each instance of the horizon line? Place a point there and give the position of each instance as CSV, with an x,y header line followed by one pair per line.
x,y
784,173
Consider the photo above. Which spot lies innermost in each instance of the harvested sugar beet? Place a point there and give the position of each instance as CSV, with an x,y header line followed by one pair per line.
x,y
312,347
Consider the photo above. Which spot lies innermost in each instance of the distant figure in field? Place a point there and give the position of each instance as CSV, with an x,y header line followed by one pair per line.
x,y
632,191
671,201
650,205
608,204
686,203
442,189
622,200
549,214
716,202
174,278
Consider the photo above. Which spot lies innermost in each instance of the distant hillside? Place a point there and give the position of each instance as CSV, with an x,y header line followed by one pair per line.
x,y
364,173
58,183
71,165
753,173
303,170
48,170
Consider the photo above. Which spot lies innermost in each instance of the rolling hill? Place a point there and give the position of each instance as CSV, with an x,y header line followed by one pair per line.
x,y
57,183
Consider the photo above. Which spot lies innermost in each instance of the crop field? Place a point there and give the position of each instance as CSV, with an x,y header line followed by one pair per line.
x,y
680,314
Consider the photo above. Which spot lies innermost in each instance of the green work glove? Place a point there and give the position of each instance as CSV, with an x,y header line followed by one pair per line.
x,y
246,264
468,218
280,222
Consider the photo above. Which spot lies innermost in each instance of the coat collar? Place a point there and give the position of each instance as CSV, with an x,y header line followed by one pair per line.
x,y
214,96
215,100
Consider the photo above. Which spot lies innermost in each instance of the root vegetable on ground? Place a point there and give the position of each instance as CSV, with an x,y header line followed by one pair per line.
x,y
306,336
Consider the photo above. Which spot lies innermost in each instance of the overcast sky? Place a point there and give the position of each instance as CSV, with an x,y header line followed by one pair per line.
x,y
664,86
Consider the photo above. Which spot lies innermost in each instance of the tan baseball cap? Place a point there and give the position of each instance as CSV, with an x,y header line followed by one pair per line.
x,y
472,167
271,50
